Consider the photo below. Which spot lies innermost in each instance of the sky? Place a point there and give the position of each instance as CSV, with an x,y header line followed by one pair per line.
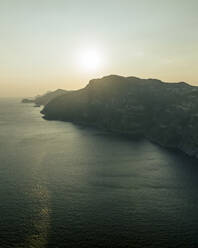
x,y
43,43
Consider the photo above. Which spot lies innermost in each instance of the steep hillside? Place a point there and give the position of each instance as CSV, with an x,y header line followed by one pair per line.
x,y
166,113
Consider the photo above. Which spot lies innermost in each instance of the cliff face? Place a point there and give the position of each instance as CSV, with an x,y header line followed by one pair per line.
x,y
166,113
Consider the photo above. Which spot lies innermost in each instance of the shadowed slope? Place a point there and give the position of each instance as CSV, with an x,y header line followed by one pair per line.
x,y
166,113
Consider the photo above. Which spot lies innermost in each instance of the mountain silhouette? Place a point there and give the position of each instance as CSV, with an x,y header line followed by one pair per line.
x,y
166,113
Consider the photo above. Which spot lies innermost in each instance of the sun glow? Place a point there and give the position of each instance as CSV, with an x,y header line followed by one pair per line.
x,y
90,60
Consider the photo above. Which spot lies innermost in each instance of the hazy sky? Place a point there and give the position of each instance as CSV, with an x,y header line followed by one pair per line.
x,y
41,42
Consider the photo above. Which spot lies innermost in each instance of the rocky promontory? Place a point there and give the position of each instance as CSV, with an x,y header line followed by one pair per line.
x,y
166,113
42,100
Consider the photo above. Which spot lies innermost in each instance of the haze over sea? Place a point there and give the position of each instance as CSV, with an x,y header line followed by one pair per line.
x,y
64,185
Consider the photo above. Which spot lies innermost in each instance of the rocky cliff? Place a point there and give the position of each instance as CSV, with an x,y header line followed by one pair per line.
x,y
166,113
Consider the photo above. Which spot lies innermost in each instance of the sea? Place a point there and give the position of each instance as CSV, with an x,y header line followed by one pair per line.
x,y
66,185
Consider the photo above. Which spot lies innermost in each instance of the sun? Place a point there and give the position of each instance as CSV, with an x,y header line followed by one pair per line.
x,y
90,60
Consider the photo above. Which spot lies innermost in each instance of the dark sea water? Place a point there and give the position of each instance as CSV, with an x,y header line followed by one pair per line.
x,y
63,185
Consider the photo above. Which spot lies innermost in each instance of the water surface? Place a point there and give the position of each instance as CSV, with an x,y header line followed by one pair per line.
x,y
63,185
